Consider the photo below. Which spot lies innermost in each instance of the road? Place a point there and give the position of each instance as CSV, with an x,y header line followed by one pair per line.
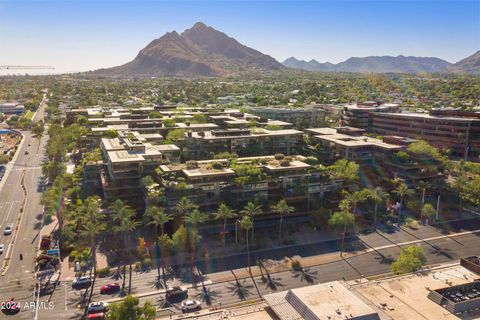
x,y
18,278
378,251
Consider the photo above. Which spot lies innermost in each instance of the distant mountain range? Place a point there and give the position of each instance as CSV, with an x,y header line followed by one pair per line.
x,y
200,51
385,64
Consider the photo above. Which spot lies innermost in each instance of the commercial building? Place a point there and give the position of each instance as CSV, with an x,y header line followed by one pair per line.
x,y
457,131
331,300
11,108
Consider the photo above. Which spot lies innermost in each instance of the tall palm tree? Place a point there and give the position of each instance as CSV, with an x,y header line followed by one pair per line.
x,y
252,210
377,195
183,207
356,197
401,190
126,225
92,226
158,218
224,212
194,218
247,224
282,208
345,207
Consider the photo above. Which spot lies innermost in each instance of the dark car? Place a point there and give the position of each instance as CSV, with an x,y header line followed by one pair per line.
x,y
176,291
110,288
81,283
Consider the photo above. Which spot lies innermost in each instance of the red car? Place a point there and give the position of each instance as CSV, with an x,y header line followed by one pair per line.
x,y
96,316
110,288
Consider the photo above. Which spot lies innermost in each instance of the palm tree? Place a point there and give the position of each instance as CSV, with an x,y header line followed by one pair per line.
x,y
377,195
194,218
158,218
247,224
183,207
423,185
92,226
126,225
282,208
345,207
356,197
401,190
224,212
251,210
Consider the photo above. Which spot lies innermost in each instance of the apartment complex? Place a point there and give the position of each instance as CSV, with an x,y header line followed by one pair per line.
x,y
128,158
307,117
458,131
243,142
266,179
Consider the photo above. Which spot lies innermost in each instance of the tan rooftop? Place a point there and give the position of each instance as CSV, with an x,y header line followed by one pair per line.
x,y
124,156
332,300
331,135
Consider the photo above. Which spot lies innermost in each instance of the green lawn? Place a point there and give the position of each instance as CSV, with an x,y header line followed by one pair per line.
x,y
29,115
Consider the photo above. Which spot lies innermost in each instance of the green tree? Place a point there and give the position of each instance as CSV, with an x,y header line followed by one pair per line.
x,y
174,136
377,195
428,211
344,169
129,309
402,191
342,219
247,224
411,259
183,206
282,208
252,209
92,226
224,213
158,218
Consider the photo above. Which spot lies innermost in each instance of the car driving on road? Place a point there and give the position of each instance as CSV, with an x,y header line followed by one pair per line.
x,y
176,291
2,248
190,305
81,283
110,288
7,231
97,307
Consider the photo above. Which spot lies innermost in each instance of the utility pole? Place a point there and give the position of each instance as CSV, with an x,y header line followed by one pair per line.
x,y
438,207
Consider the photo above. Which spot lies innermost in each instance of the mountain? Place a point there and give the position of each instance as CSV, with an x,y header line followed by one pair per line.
x,y
470,64
200,51
374,64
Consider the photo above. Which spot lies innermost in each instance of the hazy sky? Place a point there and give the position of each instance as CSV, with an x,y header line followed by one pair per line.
x,y
77,35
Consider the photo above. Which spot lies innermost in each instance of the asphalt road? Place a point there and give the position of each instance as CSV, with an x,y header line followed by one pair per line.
x,y
18,280
376,262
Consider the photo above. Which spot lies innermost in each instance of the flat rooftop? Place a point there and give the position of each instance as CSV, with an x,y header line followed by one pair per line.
x,y
425,116
405,297
332,300
258,132
331,135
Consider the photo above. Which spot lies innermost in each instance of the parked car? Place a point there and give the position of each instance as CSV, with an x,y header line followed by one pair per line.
x,y
2,248
26,152
190,305
81,283
96,316
110,288
176,291
97,307
7,231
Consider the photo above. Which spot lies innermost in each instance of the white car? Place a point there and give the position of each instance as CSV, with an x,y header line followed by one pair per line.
x,y
2,248
189,305
96,307
7,231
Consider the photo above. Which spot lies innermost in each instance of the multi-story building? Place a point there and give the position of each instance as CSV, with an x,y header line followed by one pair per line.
x,y
208,183
380,159
458,131
359,115
127,159
11,108
243,142
306,117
